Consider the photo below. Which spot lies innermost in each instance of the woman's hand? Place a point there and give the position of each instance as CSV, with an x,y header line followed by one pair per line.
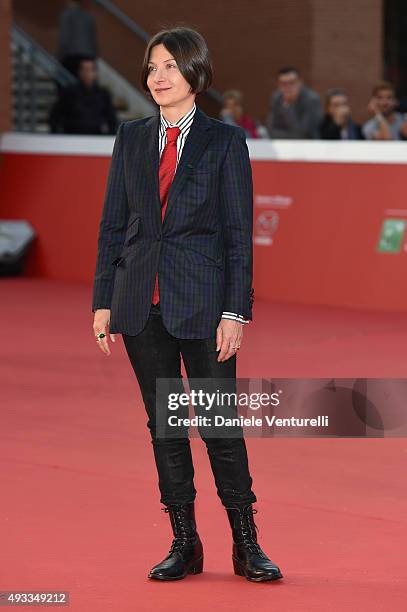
x,y
101,324
228,335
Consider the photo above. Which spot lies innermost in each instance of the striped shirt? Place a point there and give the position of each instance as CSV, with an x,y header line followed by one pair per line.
x,y
185,125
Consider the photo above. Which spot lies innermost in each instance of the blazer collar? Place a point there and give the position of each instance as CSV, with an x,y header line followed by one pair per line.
x,y
184,123
195,144
201,122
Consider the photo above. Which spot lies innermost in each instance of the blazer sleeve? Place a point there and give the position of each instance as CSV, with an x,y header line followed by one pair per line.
x,y
112,228
236,205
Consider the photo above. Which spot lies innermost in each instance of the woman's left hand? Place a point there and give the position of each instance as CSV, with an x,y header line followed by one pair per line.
x,y
229,334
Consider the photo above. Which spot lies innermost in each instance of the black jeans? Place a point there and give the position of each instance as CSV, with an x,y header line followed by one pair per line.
x,y
155,353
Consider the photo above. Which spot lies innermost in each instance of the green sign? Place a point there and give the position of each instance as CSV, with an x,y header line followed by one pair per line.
x,y
391,235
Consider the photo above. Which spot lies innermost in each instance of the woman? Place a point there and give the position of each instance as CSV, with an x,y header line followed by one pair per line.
x,y
173,276
337,123
233,113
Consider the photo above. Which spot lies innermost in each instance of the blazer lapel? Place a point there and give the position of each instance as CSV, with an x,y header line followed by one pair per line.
x,y
152,160
194,146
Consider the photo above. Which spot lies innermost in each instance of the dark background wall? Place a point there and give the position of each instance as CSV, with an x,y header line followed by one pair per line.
x,y
334,43
5,20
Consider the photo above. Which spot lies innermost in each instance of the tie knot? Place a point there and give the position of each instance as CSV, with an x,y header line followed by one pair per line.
x,y
172,134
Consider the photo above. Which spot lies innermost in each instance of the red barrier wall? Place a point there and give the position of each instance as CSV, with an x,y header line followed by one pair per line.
x,y
324,222
317,224
62,198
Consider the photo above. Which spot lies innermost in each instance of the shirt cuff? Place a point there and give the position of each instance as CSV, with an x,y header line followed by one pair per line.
x,y
234,317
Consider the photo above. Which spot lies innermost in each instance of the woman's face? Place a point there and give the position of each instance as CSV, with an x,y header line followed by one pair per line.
x,y
165,81
233,106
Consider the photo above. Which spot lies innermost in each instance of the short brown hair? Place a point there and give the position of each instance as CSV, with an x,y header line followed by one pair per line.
x,y
235,94
191,53
383,86
331,93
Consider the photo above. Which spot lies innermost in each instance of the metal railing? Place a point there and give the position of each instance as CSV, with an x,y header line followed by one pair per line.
x,y
127,21
132,26
30,55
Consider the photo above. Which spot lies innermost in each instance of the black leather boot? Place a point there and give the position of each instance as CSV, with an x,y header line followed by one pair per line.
x,y
186,553
248,558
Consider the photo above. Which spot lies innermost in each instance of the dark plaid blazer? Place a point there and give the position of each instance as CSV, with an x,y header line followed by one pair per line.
x,y
203,249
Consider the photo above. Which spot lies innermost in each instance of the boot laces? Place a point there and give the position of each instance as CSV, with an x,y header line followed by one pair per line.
x,y
249,534
181,532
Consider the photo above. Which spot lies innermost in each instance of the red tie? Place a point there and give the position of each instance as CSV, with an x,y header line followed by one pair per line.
x,y
166,173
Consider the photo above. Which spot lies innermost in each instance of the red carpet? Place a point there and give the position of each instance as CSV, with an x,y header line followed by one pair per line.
x,y
80,509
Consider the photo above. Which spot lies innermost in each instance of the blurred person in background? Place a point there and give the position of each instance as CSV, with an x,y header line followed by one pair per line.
x,y
233,113
386,123
77,36
337,123
296,110
84,108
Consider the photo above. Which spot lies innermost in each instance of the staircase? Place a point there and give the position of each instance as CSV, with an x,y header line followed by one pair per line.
x,y
37,77
33,93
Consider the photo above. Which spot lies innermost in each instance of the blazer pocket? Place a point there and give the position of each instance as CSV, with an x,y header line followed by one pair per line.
x,y
117,261
132,230
197,258
133,217
200,169
128,246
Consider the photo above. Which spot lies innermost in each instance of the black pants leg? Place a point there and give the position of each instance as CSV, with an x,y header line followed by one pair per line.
x,y
154,353
227,455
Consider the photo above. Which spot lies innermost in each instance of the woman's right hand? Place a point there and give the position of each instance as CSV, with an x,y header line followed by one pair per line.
x,y
101,324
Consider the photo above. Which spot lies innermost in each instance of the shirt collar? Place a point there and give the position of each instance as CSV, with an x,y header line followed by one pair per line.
x,y
183,123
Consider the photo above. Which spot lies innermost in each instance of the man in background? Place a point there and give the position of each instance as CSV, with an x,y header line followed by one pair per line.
x,y
84,108
296,110
77,36
386,123
337,123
